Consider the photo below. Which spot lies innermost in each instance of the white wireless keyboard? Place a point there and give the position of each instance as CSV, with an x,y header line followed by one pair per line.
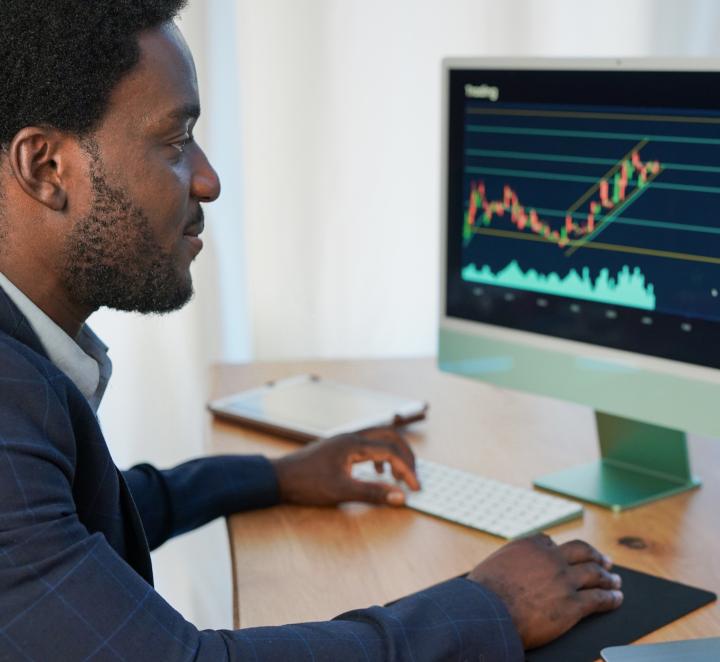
x,y
488,505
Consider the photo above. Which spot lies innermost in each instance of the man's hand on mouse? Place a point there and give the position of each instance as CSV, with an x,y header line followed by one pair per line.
x,y
321,473
548,588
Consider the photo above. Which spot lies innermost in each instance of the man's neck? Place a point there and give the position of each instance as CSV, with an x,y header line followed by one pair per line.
x,y
48,295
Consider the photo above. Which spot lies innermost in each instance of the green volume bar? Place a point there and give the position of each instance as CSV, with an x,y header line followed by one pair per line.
x,y
627,289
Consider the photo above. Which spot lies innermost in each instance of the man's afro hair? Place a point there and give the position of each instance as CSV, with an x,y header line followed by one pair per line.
x,y
61,59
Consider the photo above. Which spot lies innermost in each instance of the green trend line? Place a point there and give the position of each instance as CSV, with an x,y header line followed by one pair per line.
x,y
584,115
562,177
607,220
627,289
640,222
532,174
606,135
586,160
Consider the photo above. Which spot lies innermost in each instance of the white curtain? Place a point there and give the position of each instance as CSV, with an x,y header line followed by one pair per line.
x,y
341,100
323,119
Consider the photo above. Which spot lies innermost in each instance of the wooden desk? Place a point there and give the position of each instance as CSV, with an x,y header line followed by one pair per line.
x,y
295,564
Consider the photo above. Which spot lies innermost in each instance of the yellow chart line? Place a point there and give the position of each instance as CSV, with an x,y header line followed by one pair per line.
x,y
603,246
595,116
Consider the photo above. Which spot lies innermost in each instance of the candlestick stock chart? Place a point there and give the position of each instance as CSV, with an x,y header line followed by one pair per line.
x,y
611,206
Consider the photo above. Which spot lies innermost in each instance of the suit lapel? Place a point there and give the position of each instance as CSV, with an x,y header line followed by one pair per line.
x,y
137,552
14,323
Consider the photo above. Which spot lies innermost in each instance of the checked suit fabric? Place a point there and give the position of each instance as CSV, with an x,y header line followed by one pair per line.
x,y
76,533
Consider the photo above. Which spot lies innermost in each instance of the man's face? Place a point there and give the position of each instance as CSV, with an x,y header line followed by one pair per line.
x,y
132,243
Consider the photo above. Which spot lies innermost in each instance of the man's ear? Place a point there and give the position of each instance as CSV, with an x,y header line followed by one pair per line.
x,y
38,163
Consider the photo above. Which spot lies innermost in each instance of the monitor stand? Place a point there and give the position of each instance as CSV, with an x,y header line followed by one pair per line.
x,y
639,463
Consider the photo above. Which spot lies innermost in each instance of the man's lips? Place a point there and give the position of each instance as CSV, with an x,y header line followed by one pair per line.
x,y
190,235
194,230
196,225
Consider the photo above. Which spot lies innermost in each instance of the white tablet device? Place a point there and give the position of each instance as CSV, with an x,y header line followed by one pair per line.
x,y
307,407
692,650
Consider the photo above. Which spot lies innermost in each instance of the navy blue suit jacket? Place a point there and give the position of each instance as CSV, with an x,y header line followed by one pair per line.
x,y
75,535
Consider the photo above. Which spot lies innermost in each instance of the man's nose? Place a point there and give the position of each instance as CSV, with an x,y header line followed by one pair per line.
x,y
205,183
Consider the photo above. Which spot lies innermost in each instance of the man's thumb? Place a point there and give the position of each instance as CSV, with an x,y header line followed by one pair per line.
x,y
378,493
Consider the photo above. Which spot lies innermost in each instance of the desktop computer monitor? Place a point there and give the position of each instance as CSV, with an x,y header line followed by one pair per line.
x,y
581,252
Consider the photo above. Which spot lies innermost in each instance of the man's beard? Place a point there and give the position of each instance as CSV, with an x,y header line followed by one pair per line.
x,y
112,259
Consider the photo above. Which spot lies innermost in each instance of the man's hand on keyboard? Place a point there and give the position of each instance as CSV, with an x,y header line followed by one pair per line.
x,y
548,588
320,474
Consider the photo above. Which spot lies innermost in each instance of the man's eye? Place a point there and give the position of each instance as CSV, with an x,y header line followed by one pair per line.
x,y
181,144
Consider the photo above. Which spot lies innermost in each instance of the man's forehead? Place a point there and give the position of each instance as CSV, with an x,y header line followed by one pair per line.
x,y
162,89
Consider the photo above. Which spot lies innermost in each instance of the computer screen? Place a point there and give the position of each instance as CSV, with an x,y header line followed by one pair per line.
x,y
584,205
581,254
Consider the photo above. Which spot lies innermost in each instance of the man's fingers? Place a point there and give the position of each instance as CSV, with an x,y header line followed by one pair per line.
x,y
593,575
578,551
381,452
543,539
401,470
381,493
593,600
395,440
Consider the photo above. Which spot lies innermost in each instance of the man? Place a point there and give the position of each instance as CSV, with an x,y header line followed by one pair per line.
x,y
101,187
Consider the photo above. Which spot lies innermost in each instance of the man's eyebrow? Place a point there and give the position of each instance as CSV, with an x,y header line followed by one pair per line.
x,y
188,111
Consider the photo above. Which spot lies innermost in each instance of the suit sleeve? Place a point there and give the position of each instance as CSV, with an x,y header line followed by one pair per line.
x,y
67,595
177,500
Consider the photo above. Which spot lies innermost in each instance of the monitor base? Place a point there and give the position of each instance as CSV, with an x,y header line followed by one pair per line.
x,y
639,463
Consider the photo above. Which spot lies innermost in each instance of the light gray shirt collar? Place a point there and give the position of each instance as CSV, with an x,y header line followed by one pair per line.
x,y
83,359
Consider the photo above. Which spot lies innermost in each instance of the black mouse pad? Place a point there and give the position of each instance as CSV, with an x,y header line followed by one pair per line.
x,y
650,602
